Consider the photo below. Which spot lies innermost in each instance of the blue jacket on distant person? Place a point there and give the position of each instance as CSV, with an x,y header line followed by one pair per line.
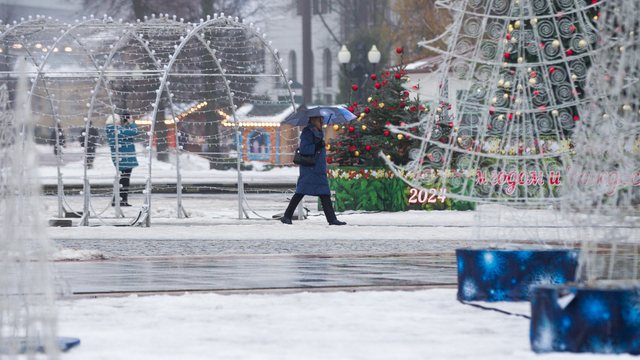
x,y
127,150
313,179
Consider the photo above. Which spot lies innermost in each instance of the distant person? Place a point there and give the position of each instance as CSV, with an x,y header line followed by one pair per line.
x,y
313,179
92,141
126,155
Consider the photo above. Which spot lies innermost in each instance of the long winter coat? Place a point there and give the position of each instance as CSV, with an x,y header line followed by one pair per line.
x,y
127,150
313,179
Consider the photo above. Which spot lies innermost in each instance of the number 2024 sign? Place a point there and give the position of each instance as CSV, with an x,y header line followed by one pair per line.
x,y
430,196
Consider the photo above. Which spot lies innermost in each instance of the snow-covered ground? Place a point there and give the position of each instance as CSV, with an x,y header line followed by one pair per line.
x,y
426,324
193,168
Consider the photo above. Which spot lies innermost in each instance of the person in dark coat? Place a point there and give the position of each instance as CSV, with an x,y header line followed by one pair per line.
x,y
313,179
126,159
92,142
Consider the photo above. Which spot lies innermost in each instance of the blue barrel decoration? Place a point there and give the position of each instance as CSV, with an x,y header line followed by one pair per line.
x,y
507,275
575,318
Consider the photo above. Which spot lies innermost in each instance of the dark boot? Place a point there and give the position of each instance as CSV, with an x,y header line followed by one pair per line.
x,y
337,222
285,220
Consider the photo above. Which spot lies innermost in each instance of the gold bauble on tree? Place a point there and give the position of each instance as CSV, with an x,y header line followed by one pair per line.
x,y
357,153
388,156
328,146
381,105
400,136
364,127
370,99
336,127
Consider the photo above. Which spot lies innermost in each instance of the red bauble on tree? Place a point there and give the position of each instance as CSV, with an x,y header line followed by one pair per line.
x,y
386,133
366,110
351,129
373,77
398,76
399,50
354,88
351,109
378,85
367,147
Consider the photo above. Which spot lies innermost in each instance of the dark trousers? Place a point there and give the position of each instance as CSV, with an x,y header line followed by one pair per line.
x,y
324,199
125,180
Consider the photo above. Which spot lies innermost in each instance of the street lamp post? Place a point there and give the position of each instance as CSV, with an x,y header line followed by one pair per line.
x,y
344,57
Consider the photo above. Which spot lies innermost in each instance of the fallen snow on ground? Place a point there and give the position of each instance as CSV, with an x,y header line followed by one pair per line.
x,y
193,168
77,255
428,324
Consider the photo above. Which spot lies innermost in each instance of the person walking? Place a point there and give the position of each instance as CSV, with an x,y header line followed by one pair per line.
x,y
313,179
92,142
126,154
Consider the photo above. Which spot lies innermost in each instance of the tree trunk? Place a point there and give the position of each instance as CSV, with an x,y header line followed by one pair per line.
x,y
307,54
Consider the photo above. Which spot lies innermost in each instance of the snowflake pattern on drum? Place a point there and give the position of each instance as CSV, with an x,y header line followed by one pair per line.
x,y
508,275
580,319
523,67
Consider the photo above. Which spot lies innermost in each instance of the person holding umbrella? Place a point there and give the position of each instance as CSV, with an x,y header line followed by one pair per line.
x,y
313,179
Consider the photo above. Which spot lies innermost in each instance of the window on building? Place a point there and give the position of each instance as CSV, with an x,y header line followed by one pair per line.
x,y
328,74
293,66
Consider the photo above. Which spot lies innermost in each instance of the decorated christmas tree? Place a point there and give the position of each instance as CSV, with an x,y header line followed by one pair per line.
x,y
360,142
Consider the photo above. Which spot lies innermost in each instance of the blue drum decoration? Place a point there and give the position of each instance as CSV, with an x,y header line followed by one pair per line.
x,y
507,275
585,319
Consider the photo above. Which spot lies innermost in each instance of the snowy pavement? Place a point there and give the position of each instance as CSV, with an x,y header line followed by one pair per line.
x,y
426,324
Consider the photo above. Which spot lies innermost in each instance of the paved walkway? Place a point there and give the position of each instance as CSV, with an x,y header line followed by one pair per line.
x,y
251,272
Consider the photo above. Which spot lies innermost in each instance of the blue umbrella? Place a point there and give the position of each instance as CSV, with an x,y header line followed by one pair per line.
x,y
331,115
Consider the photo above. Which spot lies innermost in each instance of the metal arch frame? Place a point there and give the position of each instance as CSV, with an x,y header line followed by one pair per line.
x,y
192,31
145,219
56,116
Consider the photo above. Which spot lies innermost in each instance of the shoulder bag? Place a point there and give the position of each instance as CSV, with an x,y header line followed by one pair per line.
x,y
305,160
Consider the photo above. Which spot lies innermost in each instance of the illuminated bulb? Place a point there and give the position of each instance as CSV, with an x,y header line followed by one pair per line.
x,y
554,113
494,100
388,156
533,21
555,43
517,24
505,65
532,81
626,107
605,116
520,60
574,77
505,96
500,82
582,43
507,84
439,110
501,117
518,113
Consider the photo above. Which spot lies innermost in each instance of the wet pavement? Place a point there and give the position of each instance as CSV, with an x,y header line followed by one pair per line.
x,y
254,272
